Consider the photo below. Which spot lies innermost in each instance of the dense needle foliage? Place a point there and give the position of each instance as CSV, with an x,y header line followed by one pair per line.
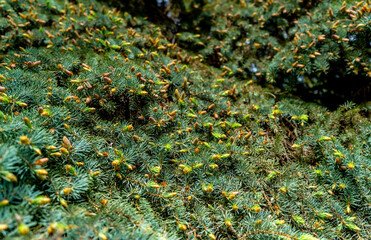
x,y
318,49
112,128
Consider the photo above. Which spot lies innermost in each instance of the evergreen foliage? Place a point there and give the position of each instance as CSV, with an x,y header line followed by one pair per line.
x,y
110,130
313,48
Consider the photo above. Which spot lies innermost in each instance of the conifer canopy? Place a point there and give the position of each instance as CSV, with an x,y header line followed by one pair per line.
x,y
114,127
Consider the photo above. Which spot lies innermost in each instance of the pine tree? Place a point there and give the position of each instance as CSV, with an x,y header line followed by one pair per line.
x,y
111,130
